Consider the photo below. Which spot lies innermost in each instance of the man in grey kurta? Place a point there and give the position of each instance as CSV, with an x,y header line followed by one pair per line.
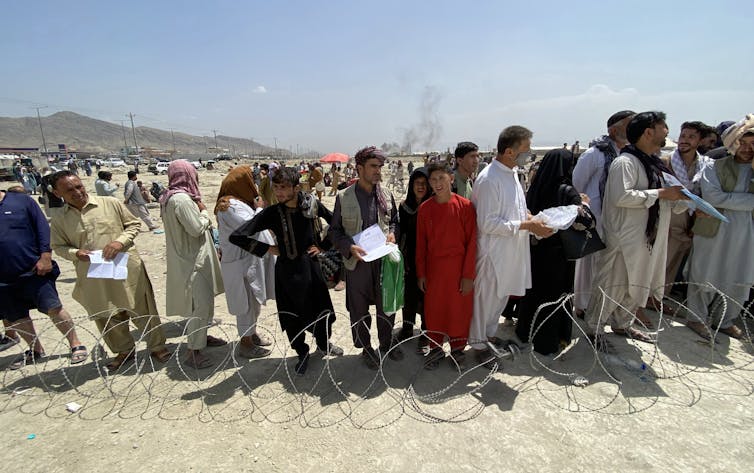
x,y
135,201
722,253
358,207
635,217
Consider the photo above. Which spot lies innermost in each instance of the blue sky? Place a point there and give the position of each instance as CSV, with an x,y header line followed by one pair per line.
x,y
338,75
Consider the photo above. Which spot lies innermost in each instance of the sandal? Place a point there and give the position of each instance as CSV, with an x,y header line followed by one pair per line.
x,y
215,342
251,352
79,354
198,361
700,329
634,334
29,357
162,355
120,360
259,340
733,332
643,319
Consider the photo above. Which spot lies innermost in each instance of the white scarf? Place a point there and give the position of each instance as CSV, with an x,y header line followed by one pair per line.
x,y
679,169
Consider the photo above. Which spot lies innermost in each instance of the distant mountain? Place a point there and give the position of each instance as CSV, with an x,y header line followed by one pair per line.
x,y
83,133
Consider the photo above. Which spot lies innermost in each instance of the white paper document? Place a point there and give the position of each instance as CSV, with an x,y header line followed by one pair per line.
x,y
696,201
99,268
374,242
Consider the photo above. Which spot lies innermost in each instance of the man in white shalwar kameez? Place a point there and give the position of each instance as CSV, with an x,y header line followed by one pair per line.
x,y
503,264
248,279
724,257
590,177
635,219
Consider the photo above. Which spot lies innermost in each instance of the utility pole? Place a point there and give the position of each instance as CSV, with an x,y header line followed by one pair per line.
x,y
39,119
125,142
133,130
215,132
172,136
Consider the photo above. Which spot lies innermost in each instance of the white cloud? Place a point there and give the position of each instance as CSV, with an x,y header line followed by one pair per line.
x,y
260,89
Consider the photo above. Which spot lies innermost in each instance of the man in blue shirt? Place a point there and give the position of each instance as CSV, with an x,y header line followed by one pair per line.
x,y
27,277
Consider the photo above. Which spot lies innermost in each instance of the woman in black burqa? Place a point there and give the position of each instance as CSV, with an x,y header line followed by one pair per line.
x,y
552,274
418,192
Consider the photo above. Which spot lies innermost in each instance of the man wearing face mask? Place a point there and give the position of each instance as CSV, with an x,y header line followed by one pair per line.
x,y
503,265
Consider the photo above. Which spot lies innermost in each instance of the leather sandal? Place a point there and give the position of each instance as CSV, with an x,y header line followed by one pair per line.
x,y
215,342
119,360
162,355
700,329
733,332
634,334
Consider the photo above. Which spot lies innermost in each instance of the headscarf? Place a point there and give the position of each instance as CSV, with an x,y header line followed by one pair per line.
x,y
239,185
182,177
605,145
654,168
410,205
361,157
732,136
555,169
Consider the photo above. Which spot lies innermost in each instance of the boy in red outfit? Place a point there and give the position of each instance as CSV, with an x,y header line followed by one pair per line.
x,y
446,265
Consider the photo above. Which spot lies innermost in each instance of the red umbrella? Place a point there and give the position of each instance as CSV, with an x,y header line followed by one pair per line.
x,y
334,158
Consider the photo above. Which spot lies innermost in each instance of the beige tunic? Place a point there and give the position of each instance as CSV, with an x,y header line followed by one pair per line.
x,y
102,221
191,257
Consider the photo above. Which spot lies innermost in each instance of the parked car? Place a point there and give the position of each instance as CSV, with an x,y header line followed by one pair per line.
x,y
161,167
114,163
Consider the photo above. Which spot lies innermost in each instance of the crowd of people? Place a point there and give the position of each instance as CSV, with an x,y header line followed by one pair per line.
x,y
474,241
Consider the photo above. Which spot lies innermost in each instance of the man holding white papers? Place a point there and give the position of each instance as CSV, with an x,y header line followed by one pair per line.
x,y
687,166
357,208
722,254
90,223
635,217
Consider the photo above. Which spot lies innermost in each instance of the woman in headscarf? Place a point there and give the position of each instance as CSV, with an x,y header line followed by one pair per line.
x,y
193,269
413,299
551,273
249,281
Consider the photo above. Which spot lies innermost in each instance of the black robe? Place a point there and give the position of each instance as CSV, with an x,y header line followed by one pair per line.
x,y
551,273
303,300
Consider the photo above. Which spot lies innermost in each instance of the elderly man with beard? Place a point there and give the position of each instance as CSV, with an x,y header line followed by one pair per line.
x,y
635,218
590,177
358,207
722,253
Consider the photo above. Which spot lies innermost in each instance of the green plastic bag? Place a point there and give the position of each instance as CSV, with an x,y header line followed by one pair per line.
x,y
392,282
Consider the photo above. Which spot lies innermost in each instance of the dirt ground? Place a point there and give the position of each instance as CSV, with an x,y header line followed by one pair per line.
x,y
690,408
